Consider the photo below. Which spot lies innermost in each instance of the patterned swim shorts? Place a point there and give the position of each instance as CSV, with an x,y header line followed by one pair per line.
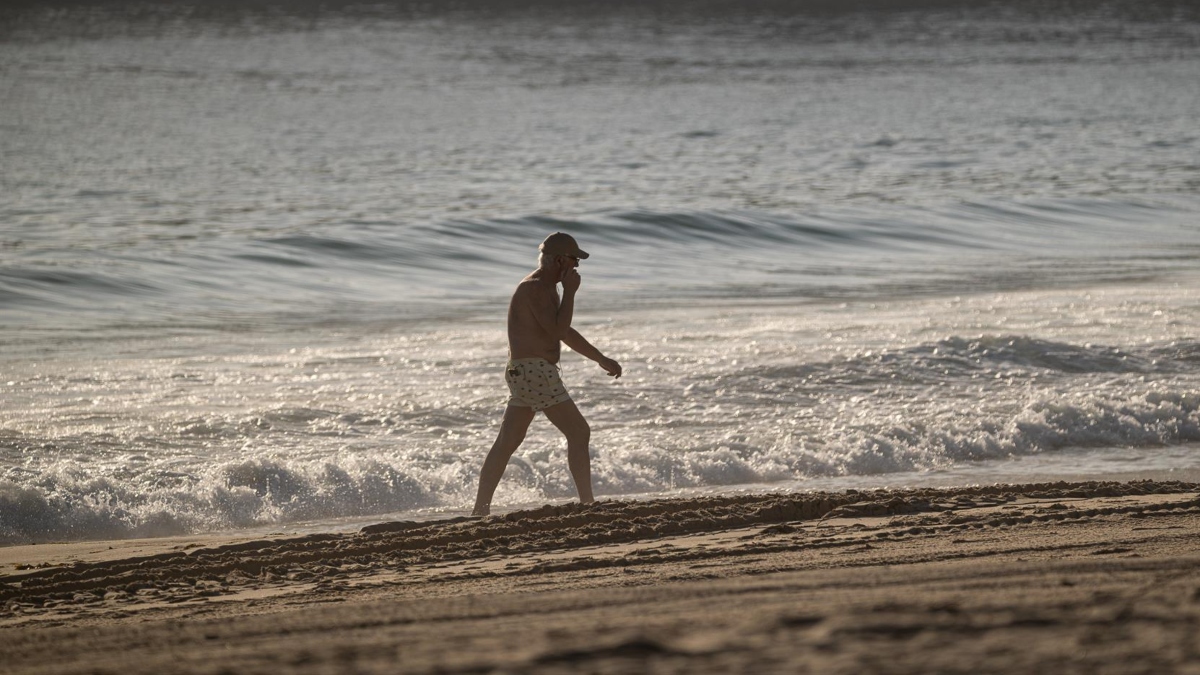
x,y
534,383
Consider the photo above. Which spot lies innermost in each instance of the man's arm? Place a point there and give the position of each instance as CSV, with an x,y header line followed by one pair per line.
x,y
581,346
553,316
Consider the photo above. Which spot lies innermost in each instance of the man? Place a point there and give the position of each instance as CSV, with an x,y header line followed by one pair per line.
x,y
538,321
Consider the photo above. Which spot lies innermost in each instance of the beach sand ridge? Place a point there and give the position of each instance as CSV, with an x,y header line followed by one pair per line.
x,y
983,579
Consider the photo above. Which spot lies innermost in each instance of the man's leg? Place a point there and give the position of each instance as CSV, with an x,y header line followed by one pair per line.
x,y
512,432
570,422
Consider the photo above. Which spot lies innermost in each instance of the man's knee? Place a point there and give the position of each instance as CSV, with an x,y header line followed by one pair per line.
x,y
570,422
513,428
512,435
580,433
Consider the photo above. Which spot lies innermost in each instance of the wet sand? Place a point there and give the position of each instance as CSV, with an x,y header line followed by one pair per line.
x,y
1065,578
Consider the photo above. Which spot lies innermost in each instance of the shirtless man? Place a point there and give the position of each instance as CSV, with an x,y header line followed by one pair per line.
x,y
537,323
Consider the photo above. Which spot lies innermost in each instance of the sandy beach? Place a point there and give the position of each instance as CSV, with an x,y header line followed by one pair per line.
x,y
1080,577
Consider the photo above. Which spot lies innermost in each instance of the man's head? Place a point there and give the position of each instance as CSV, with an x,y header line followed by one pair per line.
x,y
561,243
558,246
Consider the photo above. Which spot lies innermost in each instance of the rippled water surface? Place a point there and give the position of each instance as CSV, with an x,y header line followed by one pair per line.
x,y
253,262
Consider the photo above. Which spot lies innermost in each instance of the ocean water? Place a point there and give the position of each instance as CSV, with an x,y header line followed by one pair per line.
x,y
254,259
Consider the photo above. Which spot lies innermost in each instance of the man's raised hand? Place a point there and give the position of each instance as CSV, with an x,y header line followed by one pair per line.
x,y
570,280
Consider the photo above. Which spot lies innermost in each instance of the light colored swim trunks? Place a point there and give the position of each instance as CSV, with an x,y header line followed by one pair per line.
x,y
534,383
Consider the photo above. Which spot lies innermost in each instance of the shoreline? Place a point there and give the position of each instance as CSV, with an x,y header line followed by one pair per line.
x,y
1086,577
53,552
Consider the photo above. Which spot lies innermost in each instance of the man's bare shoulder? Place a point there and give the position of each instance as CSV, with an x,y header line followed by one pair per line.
x,y
534,291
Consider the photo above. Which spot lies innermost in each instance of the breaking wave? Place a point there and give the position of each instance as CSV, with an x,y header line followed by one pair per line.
x,y
810,420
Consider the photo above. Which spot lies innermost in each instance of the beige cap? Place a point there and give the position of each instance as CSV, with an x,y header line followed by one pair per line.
x,y
561,243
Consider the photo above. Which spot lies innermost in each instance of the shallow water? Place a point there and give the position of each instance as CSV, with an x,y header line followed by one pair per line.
x,y
253,264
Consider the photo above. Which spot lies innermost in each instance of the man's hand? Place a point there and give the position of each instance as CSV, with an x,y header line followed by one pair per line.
x,y
611,367
570,281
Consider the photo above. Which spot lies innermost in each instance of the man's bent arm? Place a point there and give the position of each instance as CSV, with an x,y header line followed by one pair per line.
x,y
554,317
566,313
